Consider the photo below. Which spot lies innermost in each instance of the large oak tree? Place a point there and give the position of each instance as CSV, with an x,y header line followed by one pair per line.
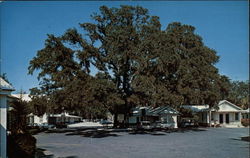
x,y
139,64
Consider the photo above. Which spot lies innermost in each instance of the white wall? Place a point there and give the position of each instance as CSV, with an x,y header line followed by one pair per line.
x,y
215,117
37,119
170,119
227,108
232,121
40,120
3,122
224,107
175,121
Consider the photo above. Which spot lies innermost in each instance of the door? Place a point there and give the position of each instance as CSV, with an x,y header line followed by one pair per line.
x,y
227,118
137,120
221,118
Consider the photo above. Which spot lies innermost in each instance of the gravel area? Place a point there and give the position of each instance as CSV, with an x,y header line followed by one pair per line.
x,y
199,143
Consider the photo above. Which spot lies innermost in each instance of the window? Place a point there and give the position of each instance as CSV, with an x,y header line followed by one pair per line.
x,y
236,116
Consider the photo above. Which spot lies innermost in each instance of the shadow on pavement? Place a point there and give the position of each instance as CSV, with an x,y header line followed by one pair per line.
x,y
159,132
182,130
93,133
101,133
67,130
40,153
62,130
247,138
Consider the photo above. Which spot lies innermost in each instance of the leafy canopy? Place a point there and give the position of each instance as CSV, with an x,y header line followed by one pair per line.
x,y
138,63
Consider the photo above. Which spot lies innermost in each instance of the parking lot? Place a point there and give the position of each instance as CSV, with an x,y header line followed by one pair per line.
x,y
196,143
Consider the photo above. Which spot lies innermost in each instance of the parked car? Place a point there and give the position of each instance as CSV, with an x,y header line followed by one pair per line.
x,y
40,126
46,126
105,122
146,125
167,125
188,122
33,126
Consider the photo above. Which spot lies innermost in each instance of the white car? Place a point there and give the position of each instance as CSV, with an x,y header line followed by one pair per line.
x,y
146,125
167,125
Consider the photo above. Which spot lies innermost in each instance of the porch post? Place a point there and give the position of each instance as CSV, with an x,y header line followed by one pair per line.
x,y
240,113
210,117
3,122
224,118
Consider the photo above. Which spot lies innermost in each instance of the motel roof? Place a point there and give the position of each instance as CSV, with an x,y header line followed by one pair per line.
x,y
4,85
196,108
150,111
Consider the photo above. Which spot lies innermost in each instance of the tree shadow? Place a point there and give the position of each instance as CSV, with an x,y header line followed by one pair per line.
x,y
148,132
183,130
139,132
247,138
160,132
93,133
59,130
101,133
40,154
69,130
157,134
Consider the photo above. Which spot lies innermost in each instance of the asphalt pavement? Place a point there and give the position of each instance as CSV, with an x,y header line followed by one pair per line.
x,y
197,143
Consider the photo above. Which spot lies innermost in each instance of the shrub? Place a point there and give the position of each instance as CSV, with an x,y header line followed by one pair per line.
x,y
245,122
21,145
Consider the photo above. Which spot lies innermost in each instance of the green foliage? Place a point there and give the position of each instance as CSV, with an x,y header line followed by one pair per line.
x,y
21,145
138,64
17,116
39,103
177,68
122,33
239,93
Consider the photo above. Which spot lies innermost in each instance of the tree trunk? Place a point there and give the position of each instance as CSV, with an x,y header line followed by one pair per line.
x,y
125,120
115,120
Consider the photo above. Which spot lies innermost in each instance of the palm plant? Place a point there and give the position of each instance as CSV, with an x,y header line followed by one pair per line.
x,y
18,116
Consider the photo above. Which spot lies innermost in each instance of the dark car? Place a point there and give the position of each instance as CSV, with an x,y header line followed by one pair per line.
x,y
188,122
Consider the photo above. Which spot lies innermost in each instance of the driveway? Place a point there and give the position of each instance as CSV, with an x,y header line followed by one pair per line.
x,y
199,143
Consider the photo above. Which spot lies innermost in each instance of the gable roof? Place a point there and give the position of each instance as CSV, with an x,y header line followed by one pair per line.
x,y
24,97
150,111
4,85
64,115
233,105
196,108
162,110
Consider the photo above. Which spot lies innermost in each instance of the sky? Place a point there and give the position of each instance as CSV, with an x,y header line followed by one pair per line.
x,y
223,25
